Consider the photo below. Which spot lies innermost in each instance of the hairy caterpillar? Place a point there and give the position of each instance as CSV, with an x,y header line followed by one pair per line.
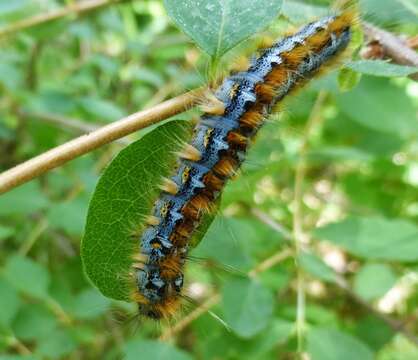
x,y
216,151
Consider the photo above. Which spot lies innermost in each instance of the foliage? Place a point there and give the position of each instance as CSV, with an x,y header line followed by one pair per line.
x,y
360,207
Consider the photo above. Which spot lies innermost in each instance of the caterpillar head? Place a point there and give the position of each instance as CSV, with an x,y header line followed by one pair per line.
x,y
157,298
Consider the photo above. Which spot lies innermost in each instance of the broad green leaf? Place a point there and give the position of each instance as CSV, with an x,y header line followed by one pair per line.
x,y
374,238
69,216
9,303
25,199
327,344
27,276
381,68
9,7
374,332
150,349
218,25
57,344
6,232
18,357
123,197
101,109
299,12
348,79
392,11
373,281
90,304
222,234
247,306
380,105
34,322
315,266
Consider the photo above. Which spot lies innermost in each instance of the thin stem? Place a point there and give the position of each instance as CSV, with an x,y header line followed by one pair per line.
x,y
269,221
73,8
82,145
35,234
298,233
393,46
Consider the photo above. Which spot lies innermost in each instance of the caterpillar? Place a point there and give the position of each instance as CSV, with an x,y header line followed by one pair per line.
x,y
216,151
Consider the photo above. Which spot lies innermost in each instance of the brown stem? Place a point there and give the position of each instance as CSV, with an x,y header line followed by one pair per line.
x,y
392,46
82,145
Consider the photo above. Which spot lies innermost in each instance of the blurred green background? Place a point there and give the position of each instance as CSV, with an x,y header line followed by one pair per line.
x,y
360,198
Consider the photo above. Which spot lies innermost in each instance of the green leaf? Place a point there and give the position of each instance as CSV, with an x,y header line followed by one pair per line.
x,y
123,197
6,232
315,266
149,349
348,79
299,12
388,11
327,344
374,238
101,109
380,105
68,216
381,68
34,322
9,303
373,281
90,304
23,200
217,26
27,276
18,357
57,344
247,305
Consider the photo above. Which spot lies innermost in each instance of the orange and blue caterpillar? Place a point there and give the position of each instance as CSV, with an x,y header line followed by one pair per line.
x,y
217,150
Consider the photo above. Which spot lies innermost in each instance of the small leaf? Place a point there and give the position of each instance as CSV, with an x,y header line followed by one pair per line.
x,y
9,303
374,238
57,344
299,12
381,68
348,79
247,305
373,281
123,197
217,26
315,266
6,232
27,276
327,344
68,216
23,200
101,109
34,322
150,349
376,102
90,304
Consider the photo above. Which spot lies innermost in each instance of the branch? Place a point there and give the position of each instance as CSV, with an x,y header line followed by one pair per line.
x,y
82,145
392,46
73,8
